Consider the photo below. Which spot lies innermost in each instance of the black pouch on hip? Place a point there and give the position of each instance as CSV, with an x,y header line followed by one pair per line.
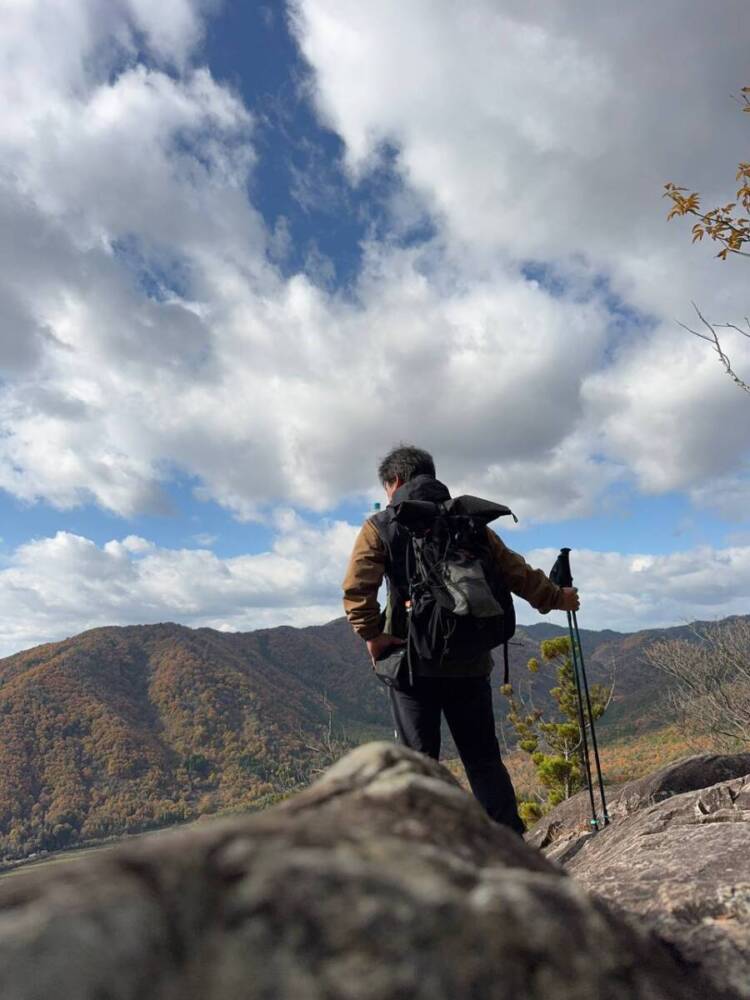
x,y
389,668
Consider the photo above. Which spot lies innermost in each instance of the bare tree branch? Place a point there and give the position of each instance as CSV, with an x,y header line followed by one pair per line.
x,y
327,746
711,692
713,338
611,686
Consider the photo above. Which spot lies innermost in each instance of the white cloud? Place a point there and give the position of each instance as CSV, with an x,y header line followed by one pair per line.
x,y
547,132
205,539
632,592
664,412
729,495
172,27
54,587
545,129
513,129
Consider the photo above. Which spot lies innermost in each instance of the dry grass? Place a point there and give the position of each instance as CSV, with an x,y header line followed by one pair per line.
x,y
624,760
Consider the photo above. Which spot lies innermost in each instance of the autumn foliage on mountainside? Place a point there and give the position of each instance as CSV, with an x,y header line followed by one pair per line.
x,y
121,730
128,729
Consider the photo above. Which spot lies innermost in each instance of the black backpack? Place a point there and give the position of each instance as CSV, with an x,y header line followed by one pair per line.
x,y
459,604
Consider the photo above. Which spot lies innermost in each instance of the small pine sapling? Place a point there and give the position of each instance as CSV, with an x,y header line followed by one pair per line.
x,y
554,745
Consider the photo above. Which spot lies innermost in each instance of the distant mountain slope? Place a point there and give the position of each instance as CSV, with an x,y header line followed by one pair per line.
x,y
640,702
124,729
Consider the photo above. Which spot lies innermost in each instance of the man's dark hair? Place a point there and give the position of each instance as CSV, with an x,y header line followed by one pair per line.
x,y
406,462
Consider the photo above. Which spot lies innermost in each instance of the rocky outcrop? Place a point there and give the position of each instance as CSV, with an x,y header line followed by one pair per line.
x,y
676,856
555,831
384,880
683,865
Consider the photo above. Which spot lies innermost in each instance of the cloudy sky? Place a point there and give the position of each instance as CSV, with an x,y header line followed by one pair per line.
x,y
247,248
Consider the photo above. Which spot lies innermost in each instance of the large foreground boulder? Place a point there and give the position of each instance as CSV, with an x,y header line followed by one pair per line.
x,y
383,881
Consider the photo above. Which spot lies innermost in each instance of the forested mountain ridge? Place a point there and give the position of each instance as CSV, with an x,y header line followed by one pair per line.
x,y
639,703
122,729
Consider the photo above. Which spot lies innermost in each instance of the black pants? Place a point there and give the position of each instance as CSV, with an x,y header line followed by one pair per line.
x,y
467,704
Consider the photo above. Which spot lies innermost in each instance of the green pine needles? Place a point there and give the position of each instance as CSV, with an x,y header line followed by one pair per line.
x,y
555,746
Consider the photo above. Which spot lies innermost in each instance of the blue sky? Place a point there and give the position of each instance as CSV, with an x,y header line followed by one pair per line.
x,y
274,240
630,524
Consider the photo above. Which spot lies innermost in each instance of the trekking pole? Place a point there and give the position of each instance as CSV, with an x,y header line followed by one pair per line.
x,y
585,759
562,576
594,744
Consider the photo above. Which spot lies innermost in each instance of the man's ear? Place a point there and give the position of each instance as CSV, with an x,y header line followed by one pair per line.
x,y
390,488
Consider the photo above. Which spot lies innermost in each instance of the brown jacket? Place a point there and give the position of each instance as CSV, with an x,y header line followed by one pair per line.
x,y
366,569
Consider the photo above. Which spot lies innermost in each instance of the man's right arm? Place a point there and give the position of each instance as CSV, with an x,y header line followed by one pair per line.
x,y
531,584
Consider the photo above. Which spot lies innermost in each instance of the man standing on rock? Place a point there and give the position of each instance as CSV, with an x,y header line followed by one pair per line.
x,y
459,688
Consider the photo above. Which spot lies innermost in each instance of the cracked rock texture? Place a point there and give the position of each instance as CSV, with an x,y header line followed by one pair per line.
x,y
572,818
684,865
676,856
382,880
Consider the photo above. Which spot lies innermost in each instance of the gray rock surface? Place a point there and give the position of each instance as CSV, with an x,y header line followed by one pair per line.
x,y
683,866
568,821
383,881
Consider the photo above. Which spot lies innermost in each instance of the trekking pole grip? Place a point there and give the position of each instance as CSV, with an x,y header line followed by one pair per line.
x,y
560,572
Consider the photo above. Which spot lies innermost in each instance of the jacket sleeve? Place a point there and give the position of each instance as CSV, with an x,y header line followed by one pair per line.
x,y
362,582
532,585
